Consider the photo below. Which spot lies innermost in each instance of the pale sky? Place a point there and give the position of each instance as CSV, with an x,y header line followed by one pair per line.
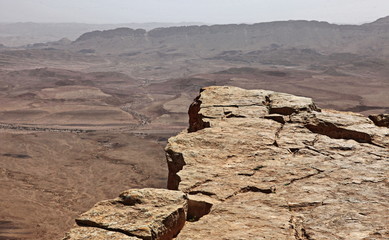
x,y
207,11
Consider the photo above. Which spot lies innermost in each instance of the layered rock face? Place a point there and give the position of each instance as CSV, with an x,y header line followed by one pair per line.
x,y
258,164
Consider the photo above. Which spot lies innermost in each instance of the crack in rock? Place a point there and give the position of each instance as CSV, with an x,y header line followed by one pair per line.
x,y
296,207
176,163
333,131
300,233
253,189
305,177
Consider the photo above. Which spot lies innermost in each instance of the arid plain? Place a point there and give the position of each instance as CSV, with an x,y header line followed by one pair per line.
x,y
83,120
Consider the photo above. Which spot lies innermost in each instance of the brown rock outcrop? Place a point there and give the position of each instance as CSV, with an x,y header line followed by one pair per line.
x,y
276,167
381,120
257,164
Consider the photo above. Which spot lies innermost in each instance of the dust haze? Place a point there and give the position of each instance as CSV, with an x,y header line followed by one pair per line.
x,y
175,11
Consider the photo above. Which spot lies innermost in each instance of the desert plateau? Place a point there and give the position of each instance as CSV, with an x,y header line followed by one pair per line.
x,y
87,115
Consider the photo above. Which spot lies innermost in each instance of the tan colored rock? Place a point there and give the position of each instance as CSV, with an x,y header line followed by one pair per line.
x,y
282,170
257,164
144,213
227,96
347,126
225,102
233,102
286,104
88,233
245,216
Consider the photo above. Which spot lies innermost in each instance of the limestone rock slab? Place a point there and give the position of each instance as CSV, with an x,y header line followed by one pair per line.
x,y
143,213
283,169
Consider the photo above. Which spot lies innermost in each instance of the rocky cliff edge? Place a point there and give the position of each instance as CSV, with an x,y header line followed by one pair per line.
x,y
257,164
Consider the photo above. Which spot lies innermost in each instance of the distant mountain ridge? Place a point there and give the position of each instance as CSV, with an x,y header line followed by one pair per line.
x,y
368,39
23,33
111,33
381,21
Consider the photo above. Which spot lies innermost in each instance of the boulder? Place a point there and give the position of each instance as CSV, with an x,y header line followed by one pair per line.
x,y
143,213
381,120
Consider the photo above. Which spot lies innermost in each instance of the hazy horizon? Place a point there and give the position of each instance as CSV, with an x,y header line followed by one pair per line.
x,y
182,11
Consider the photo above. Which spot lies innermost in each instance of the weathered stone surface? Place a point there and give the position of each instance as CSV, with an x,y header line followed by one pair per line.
x,y
88,233
282,169
257,164
286,104
246,216
233,102
347,126
143,213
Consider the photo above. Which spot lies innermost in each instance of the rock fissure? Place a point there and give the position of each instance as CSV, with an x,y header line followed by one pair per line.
x,y
233,106
299,232
202,192
304,206
175,164
271,190
276,117
197,185
378,155
320,152
94,225
277,135
256,189
314,141
318,171
333,131
246,174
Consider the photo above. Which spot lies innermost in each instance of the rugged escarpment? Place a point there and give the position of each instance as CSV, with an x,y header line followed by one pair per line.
x,y
207,41
257,164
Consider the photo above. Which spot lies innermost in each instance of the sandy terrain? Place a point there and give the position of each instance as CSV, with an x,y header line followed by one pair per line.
x,y
48,178
72,138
